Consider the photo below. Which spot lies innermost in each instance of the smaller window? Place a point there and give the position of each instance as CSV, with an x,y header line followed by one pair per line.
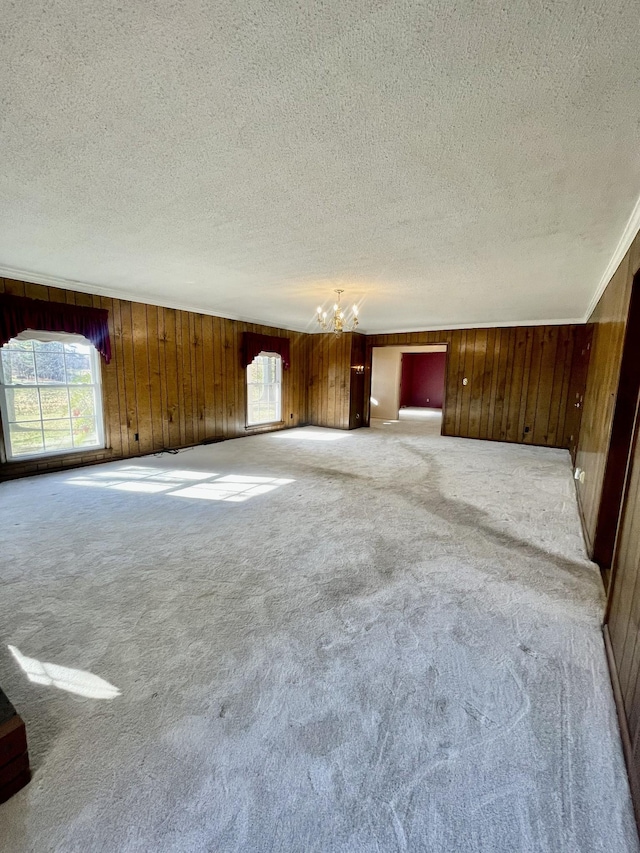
x,y
264,390
50,396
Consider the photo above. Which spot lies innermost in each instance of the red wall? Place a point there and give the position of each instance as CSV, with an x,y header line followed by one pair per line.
x,y
422,382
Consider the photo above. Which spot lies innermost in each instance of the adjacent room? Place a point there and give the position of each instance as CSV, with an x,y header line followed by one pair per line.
x,y
319,417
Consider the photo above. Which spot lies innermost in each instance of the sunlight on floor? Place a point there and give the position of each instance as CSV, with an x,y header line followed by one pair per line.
x,y
77,681
204,485
414,413
311,434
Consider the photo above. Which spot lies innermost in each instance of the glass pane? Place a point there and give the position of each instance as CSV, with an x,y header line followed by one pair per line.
x,y
54,402
84,432
57,435
82,402
50,365
16,345
25,438
22,404
48,346
78,364
263,390
18,367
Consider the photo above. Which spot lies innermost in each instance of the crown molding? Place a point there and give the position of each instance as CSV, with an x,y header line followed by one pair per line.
x,y
628,235
509,324
129,296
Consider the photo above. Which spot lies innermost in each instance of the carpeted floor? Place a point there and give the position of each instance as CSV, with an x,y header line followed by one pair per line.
x,y
381,640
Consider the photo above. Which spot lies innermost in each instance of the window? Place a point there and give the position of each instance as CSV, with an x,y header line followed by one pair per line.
x,y
264,389
50,395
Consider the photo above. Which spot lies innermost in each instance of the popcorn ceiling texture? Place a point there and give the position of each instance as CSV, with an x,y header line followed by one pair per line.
x,y
447,163
398,648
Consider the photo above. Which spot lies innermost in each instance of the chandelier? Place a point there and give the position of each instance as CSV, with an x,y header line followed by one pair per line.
x,y
336,322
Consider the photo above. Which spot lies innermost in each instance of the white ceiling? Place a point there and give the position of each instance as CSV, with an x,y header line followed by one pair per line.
x,y
445,163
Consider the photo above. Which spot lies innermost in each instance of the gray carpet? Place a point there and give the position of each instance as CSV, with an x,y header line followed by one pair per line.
x,y
382,640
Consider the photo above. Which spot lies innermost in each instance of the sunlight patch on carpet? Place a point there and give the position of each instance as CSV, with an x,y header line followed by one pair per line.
x,y
234,488
77,681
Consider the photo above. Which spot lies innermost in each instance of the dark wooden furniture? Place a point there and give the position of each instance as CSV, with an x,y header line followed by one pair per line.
x,y
14,758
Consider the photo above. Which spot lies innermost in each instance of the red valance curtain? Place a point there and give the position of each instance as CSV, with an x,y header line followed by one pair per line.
x,y
253,344
18,313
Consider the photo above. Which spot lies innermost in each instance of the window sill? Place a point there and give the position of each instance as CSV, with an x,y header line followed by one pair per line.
x,y
255,427
62,454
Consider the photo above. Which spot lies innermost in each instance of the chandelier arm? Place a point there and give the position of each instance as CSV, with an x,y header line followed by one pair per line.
x,y
337,322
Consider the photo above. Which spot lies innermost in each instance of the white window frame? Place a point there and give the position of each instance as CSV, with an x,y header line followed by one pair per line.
x,y
249,385
96,385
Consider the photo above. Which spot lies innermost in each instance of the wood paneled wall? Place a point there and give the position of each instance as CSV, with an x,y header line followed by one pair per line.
x,y
336,391
357,381
599,452
623,625
519,381
330,379
175,379
609,321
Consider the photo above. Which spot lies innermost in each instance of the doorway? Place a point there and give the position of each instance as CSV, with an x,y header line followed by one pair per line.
x,y
408,383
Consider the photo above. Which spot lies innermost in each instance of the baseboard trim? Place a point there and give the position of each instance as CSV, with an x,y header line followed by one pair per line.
x,y
625,736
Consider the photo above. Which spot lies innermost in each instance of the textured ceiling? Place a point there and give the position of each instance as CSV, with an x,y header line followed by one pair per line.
x,y
445,163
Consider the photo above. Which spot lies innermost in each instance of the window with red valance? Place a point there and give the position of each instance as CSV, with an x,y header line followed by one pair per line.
x,y
18,313
253,344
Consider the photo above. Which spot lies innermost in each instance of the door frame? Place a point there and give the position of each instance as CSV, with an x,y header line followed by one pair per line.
x,y
621,438
408,348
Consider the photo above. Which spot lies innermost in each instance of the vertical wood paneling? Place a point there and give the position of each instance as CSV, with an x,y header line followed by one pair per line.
x,y
541,410
175,379
208,378
117,347
357,382
565,347
624,612
162,376
141,391
329,365
131,411
155,392
609,321
489,384
171,368
517,378
110,395
611,399
477,384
